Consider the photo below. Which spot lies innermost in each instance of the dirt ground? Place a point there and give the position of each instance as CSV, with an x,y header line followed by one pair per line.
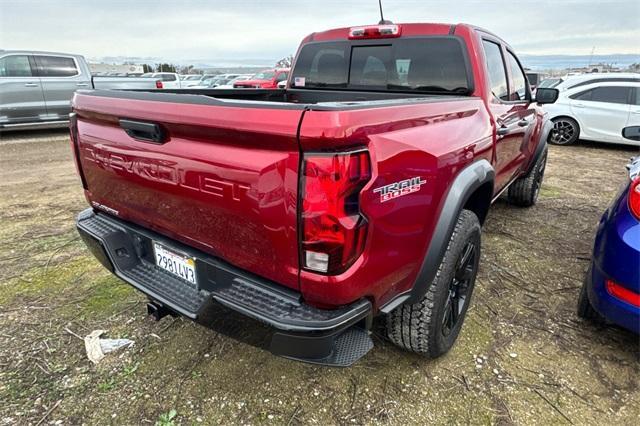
x,y
523,356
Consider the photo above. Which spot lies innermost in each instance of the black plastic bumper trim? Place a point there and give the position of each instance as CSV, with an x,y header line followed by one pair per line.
x,y
255,297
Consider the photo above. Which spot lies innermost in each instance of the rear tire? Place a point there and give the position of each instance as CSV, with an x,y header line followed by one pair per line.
x,y
566,131
525,190
430,327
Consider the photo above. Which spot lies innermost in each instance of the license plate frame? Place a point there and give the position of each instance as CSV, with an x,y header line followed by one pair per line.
x,y
175,263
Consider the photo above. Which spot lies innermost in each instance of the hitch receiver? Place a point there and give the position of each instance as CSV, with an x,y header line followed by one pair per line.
x,y
158,311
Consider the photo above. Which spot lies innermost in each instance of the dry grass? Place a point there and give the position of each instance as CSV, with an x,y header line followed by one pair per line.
x,y
540,364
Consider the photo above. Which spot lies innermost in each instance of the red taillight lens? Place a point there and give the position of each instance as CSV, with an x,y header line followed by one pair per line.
x,y
75,146
158,84
622,293
634,197
333,229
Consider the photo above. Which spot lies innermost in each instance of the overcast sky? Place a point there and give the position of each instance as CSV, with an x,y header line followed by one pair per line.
x,y
234,29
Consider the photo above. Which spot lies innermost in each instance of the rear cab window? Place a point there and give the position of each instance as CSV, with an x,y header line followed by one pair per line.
x,y
431,64
56,66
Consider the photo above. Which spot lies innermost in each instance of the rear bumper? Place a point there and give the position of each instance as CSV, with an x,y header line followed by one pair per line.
x,y
301,331
616,256
613,309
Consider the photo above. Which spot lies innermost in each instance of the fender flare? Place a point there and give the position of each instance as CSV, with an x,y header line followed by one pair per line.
x,y
465,183
547,127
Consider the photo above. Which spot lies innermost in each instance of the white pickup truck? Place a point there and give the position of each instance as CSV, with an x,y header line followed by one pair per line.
x,y
36,87
170,80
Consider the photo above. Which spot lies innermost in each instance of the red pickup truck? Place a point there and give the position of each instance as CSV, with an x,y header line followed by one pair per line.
x,y
265,79
359,190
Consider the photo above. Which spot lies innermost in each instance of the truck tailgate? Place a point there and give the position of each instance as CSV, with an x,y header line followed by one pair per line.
x,y
223,176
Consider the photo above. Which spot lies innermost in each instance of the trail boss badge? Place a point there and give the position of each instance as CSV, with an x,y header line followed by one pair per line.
x,y
398,189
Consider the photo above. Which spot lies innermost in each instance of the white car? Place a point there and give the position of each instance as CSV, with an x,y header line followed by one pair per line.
x,y
595,111
170,80
190,80
214,81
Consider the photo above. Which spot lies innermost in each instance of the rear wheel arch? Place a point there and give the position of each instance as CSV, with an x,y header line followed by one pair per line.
x,y
479,201
469,191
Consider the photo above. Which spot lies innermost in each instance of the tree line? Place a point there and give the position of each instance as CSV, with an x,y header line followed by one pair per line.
x,y
190,69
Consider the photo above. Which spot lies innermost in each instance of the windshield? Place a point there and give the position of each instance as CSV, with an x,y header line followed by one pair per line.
x,y
436,64
264,75
550,82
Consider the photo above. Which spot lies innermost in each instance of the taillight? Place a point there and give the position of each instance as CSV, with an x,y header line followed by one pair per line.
x,y
75,146
622,293
158,84
333,229
375,31
634,197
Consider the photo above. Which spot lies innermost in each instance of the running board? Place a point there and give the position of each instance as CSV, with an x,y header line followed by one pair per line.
x,y
36,125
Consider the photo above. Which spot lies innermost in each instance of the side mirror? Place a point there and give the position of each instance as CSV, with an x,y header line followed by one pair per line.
x,y
631,132
546,95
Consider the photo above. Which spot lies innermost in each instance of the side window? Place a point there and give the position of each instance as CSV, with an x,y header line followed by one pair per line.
x,y
519,90
168,77
281,77
56,66
15,66
497,73
611,94
582,96
637,90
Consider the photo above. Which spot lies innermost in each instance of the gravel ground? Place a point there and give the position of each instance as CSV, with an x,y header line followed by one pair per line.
x,y
523,356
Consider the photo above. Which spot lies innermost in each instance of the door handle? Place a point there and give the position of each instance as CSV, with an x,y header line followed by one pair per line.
x,y
578,105
502,130
144,131
82,84
31,85
523,123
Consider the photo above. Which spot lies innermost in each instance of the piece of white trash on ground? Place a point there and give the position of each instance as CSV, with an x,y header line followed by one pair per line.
x,y
97,348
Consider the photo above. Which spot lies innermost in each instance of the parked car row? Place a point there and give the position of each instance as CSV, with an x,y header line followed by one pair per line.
x,y
265,79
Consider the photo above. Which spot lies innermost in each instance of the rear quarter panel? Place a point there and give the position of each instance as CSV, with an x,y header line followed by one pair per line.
x,y
431,140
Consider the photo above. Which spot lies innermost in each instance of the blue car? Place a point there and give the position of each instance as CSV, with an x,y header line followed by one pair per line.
x,y
611,291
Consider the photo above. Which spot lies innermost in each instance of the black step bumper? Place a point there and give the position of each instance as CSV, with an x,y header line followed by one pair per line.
x,y
333,337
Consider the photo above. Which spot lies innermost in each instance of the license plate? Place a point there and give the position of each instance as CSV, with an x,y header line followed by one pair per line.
x,y
179,265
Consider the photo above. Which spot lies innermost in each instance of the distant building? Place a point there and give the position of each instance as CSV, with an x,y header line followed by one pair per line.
x,y
103,69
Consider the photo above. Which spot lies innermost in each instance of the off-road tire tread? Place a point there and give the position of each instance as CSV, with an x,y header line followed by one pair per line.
x,y
522,192
410,326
